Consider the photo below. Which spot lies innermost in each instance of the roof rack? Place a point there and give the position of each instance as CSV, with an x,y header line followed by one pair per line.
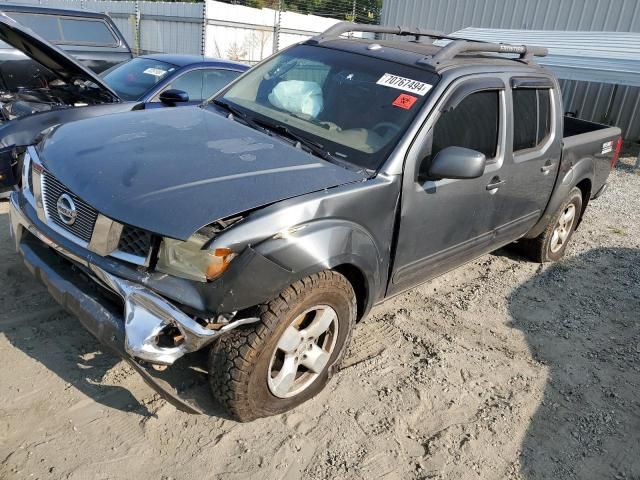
x,y
461,45
341,28
448,52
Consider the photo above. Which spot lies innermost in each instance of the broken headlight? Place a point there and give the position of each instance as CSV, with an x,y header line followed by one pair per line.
x,y
189,260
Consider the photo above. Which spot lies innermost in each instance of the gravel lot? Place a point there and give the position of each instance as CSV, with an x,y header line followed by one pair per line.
x,y
501,369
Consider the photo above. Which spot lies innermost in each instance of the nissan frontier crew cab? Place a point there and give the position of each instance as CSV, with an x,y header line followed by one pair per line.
x,y
264,224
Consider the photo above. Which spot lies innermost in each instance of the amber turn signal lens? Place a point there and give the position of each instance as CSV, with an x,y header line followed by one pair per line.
x,y
221,259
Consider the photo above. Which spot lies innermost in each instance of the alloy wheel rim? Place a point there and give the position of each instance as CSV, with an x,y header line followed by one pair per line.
x,y
303,351
563,228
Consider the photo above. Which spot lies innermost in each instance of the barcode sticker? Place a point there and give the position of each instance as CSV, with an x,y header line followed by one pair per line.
x,y
406,84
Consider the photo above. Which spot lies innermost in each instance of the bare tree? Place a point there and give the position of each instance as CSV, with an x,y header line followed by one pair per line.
x,y
236,52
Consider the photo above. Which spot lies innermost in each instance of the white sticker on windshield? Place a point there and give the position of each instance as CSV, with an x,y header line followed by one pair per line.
x,y
406,84
156,72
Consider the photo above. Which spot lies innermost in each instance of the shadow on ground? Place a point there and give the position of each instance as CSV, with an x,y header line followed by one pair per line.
x,y
581,318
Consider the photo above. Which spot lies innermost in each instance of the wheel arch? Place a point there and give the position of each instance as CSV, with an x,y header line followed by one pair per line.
x,y
356,277
580,175
332,244
585,185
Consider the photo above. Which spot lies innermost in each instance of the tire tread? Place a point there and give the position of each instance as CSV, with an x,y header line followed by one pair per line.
x,y
233,357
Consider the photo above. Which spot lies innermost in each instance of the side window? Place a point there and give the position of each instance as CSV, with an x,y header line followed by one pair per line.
x,y
94,32
473,124
190,82
214,80
44,25
531,117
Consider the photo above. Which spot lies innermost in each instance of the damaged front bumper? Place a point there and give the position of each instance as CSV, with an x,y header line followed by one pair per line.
x,y
134,331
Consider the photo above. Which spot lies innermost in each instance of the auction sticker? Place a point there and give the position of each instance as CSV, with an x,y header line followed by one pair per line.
x,y
406,84
156,72
404,101
607,147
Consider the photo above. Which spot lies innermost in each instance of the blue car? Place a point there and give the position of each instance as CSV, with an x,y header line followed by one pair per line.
x,y
169,80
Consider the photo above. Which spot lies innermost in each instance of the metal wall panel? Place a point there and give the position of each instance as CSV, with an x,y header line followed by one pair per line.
x,y
171,27
452,15
592,101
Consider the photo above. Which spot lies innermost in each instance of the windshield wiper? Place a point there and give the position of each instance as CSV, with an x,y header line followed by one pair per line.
x,y
314,147
235,112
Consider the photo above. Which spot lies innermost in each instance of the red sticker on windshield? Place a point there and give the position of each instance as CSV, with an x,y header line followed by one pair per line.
x,y
404,101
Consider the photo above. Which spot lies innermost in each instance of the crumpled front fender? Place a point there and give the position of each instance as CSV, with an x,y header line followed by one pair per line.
x,y
326,244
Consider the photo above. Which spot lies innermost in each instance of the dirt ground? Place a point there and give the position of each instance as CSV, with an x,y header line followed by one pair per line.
x,y
501,369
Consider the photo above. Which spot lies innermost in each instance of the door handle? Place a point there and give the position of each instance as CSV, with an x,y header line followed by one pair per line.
x,y
547,168
495,183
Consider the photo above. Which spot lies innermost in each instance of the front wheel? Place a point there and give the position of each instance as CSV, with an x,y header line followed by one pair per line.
x,y
271,367
551,244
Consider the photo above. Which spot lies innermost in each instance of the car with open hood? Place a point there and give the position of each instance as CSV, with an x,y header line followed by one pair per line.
x,y
259,227
42,86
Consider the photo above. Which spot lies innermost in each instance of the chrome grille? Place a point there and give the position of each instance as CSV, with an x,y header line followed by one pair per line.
x,y
85,221
135,241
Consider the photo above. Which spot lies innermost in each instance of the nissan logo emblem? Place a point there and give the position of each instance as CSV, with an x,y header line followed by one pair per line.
x,y
66,209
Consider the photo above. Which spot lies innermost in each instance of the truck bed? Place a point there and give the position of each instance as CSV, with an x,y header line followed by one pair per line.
x,y
583,139
575,126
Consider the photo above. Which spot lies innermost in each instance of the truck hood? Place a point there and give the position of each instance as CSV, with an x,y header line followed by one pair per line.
x,y
53,58
173,171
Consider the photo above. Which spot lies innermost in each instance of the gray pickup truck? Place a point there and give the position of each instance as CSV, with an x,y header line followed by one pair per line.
x,y
263,225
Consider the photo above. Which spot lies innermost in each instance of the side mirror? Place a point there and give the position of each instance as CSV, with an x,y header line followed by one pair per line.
x,y
173,96
457,162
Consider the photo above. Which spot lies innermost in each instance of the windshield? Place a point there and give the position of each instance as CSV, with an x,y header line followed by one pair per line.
x,y
355,106
133,79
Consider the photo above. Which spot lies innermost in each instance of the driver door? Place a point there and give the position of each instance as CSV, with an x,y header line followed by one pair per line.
x,y
447,222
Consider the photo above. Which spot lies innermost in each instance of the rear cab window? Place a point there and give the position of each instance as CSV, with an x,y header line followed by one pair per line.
x,y
531,118
84,30
67,29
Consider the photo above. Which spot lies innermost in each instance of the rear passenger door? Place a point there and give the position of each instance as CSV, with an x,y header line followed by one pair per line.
x,y
534,148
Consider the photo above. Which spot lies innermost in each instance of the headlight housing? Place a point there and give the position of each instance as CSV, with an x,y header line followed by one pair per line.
x,y
188,259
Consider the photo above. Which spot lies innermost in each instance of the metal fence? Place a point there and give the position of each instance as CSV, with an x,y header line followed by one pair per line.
x,y
210,28
600,102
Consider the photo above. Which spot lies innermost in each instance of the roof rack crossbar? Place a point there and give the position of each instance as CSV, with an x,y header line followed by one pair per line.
x,y
451,50
448,52
347,27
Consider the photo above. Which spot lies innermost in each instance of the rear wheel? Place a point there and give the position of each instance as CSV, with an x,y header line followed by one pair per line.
x,y
551,244
271,367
